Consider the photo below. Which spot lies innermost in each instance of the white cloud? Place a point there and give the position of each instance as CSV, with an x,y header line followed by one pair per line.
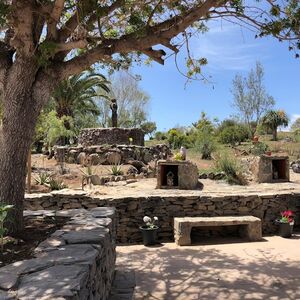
x,y
293,118
228,47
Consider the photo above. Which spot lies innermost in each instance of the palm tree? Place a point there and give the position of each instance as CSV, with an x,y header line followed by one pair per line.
x,y
273,119
75,96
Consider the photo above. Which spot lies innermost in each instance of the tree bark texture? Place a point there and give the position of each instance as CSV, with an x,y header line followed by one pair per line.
x,y
21,110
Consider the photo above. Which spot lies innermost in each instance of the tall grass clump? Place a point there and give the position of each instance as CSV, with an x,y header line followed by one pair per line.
x,y
231,168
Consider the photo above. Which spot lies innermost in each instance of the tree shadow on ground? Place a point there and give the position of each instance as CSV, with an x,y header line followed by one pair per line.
x,y
205,273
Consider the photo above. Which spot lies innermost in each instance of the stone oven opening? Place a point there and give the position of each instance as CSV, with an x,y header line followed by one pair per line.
x,y
173,174
279,169
272,168
206,234
169,176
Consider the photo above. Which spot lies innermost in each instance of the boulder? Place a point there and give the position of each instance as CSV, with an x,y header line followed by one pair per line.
x,y
81,158
94,159
296,168
113,158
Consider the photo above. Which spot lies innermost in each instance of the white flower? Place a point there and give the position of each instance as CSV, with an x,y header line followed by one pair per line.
x,y
155,218
147,219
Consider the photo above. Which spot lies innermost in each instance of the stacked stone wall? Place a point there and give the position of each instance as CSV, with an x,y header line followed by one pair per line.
x,y
76,263
110,154
131,210
110,136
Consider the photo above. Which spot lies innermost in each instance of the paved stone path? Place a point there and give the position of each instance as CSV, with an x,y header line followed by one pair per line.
x,y
260,270
123,285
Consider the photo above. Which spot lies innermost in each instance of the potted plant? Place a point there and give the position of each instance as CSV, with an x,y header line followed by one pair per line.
x,y
149,230
286,223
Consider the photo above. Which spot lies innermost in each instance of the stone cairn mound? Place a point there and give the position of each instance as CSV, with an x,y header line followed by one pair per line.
x,y
110,154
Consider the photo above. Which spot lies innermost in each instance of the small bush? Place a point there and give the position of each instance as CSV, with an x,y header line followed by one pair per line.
x,y
56,184
177,138
259,148
178,156
231,168
43,178
205,144
116,170
235,134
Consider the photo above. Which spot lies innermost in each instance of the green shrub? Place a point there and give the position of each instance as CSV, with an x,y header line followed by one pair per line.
x,y
296,134
231,168
259,148
178,156
4,209
234,134
56,184
205,143
116,170
176,139
43,178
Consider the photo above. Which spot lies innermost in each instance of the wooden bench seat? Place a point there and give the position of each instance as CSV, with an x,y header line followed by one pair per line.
x,y
183,226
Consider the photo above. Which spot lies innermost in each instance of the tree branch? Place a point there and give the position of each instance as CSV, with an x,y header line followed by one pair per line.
x,y
21,20
154,35
54,19
155,54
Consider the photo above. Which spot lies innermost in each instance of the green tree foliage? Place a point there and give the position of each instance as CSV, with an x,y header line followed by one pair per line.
x,y
273,119
52,130
204,123
250,97
149,128
296,125
75,98
160,136
205,142
232,132
178,137
44,42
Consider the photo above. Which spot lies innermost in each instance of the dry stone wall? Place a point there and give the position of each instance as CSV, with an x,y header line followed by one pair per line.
x,y
76,263
110,154
100,136
131,210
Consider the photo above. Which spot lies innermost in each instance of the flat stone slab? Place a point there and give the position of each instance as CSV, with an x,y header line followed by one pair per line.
x,y
54,282
183,226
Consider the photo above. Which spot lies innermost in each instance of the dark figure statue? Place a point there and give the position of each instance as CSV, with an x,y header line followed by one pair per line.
x,y
114,112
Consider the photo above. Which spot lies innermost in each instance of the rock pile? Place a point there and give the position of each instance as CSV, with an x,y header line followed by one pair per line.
x,y
111,154
100,136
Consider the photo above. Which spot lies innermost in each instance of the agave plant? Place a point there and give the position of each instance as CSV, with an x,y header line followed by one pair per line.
x,y
116,170
56,184
43,178
87,176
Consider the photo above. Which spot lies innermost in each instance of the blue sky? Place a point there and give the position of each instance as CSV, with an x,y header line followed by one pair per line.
x,y
229,49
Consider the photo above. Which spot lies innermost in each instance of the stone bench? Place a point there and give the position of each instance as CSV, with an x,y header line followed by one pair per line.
x,y
251,228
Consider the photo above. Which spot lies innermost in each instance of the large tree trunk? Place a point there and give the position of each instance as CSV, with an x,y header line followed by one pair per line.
x,y
21,111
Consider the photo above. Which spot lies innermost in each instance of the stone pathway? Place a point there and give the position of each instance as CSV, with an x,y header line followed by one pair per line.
x,y
228,270
123,285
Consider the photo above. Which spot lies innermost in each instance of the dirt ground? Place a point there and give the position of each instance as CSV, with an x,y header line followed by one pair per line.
x,y
21,246
73,180
40,163
226,269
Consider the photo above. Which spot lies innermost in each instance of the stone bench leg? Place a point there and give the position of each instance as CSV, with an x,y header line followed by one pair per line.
x,y
252,231
183,235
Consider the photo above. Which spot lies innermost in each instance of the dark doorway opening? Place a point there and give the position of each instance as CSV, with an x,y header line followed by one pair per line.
x,y
279,169
166,172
